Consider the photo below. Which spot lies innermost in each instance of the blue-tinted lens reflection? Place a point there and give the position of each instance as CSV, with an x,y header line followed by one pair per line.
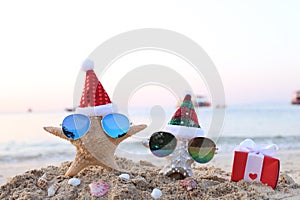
x,y
75,126
115,125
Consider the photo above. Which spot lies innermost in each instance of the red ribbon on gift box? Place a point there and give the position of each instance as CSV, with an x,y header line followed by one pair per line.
x,y
254,162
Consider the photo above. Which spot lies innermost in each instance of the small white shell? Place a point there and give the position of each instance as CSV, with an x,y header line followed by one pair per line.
x,y
145,143
156,193
125,176
74,181
52,189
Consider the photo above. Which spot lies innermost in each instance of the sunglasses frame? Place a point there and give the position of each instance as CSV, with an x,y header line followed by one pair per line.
x,y
213,148
101,125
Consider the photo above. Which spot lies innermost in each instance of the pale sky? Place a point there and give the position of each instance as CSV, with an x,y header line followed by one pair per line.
x,y
254,44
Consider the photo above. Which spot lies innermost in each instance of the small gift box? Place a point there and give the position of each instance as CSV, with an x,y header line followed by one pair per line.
x,y
255,163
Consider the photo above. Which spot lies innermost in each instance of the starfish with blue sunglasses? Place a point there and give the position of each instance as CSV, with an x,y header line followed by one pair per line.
x,y
96,129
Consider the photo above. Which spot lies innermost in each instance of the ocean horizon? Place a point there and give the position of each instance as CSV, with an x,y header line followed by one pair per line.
x,y
24,140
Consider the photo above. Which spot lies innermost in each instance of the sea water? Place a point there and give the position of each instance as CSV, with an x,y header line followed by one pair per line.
x,y
24,140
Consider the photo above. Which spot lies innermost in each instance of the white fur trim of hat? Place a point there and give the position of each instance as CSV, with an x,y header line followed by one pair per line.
x,y
184,132
101,110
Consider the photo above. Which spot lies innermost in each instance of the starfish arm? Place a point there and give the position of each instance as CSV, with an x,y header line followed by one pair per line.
x,y
132,131
81,161
57,131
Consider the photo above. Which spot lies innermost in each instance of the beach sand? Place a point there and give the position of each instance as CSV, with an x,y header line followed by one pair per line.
x,y
213,182
213,178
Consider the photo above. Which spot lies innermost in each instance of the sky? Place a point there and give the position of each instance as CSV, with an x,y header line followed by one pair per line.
x,y
254,44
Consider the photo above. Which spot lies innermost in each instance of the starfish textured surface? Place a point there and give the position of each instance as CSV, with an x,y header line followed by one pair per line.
x,y
95,147
179,163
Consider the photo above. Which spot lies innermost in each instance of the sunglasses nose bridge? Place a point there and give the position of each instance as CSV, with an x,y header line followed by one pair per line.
x,y
97,119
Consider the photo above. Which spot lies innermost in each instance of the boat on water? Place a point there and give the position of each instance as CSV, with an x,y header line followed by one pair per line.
x,y
296,98
70,109
200,101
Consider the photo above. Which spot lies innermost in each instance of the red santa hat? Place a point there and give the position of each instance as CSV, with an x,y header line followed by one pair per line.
x,y
94,100
184,123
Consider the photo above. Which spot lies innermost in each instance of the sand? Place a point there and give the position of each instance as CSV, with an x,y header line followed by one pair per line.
x,y
213,183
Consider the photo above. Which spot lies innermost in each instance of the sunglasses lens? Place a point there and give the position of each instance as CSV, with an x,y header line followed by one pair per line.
x,y
75,126
162,144
201,149
115,125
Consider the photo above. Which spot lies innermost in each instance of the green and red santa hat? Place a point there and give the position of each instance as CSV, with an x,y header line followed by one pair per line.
x,y
94,100
184,123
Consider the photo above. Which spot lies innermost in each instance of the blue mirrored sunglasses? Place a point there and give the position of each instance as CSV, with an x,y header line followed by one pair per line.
x,y
115,125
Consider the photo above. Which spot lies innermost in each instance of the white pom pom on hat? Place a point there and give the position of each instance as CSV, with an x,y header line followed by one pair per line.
x,y
87,65
94,100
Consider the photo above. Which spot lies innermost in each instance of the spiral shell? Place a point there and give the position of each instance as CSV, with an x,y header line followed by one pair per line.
x,y
44,180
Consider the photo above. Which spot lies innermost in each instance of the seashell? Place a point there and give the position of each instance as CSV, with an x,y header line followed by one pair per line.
x,y
74,181
99,189
95,148
43,180
189,183
125,176
145,143
285,178
42,183
140,182
52,189
156,193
